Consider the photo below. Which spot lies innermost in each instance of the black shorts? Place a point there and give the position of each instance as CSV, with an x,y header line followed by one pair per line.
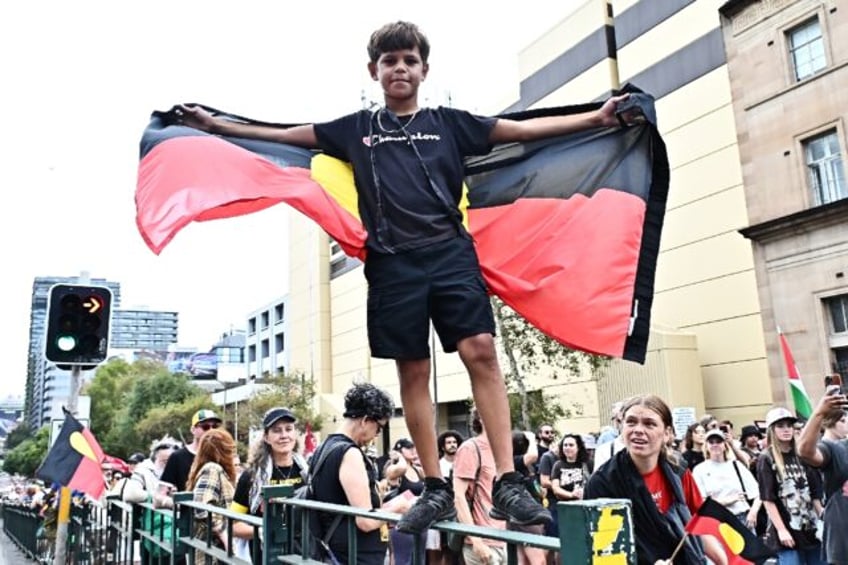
x,y
440,282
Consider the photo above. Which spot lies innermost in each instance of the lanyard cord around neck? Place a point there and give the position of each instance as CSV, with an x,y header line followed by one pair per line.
x,y
382,223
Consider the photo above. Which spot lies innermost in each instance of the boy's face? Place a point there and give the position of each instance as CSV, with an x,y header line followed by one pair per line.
x,y
400,73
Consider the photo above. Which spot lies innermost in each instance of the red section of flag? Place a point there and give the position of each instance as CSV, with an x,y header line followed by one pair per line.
x,y
788,359
199,178
741,546
534,276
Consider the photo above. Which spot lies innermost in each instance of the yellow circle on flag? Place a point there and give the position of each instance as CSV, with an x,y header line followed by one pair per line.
x,y
734,540
81,445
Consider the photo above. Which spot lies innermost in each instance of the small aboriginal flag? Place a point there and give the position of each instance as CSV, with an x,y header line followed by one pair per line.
x,y
740,544
74,460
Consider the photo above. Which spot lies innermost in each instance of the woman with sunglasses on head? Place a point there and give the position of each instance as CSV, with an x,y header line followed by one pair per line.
x,y
791,492
663,496
830,455
346,477
728,481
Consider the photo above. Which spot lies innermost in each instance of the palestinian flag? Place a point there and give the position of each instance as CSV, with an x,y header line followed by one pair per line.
x,y
741,545
567,229
803,406
74,460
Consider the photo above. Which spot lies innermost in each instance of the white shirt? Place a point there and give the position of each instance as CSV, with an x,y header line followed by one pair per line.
x,y
719,480
446,467
604,453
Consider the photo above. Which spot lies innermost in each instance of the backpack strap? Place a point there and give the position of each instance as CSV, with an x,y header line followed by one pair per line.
x,y
325,453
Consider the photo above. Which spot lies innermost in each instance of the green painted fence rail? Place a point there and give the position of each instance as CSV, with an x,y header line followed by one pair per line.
x,y
598,532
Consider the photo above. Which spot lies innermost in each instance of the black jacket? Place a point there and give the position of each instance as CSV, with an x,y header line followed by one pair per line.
x,y
656,535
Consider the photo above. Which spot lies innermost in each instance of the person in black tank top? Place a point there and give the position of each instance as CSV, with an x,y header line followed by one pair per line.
x,y
347,478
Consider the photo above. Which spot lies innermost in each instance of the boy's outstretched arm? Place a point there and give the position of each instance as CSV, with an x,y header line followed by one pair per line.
x,y
198,118
506,131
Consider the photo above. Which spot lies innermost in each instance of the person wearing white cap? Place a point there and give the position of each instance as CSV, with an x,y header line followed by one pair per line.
x,y
728,481
830,455
791,491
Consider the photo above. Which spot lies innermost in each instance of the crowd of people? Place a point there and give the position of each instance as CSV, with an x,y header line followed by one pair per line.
x,y
785,480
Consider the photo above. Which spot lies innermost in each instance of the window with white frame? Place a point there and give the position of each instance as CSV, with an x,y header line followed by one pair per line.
x,y
806,49
824,166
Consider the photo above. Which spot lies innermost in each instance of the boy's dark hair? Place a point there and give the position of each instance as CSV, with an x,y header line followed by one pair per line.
x,y
396,36
365,399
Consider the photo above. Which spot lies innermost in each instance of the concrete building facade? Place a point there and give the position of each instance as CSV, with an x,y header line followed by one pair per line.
x,y
788,67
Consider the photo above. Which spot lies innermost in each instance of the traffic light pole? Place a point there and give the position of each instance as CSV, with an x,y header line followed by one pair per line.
x,y
64,516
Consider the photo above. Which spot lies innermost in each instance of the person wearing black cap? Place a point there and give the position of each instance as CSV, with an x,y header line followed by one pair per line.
x,y
403,467
749,442
273,461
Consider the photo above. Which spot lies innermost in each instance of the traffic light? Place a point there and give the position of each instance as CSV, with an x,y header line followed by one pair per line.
x,y
78,324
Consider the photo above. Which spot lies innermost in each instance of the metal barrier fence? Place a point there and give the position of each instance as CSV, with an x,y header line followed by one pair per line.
x,y
599,532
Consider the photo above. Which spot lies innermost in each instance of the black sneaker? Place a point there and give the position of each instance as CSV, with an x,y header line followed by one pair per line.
x,y
433,505
512,501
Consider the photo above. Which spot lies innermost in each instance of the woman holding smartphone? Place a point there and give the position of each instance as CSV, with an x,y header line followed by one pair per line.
x,y
830,455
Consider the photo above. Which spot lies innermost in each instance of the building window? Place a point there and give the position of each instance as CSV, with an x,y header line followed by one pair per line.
x,y
251,326
251,353
279,342
265,348
278,313
806,48
824,165
837,307
264,320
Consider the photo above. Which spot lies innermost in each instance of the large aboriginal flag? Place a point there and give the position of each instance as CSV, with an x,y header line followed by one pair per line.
x,y
741,545
567,229
74,460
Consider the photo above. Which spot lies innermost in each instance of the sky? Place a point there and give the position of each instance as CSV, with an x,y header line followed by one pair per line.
x,y
80,79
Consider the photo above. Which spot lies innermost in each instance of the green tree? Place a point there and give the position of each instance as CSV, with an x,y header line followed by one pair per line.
x,y
21,433
295,391
527,350
25,458
150,385
107,390
170,420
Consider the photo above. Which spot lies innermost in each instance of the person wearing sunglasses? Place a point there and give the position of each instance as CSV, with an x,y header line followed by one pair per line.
x,y
346,477
179,463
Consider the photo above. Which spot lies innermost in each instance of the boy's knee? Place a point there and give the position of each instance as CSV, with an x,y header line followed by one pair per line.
x,y
478,348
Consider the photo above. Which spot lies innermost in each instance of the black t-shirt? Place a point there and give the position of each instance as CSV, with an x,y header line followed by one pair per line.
x,y
287,476
693,458
177,468
383,154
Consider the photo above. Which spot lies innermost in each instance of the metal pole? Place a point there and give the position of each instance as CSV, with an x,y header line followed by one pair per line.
x,y
64,517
